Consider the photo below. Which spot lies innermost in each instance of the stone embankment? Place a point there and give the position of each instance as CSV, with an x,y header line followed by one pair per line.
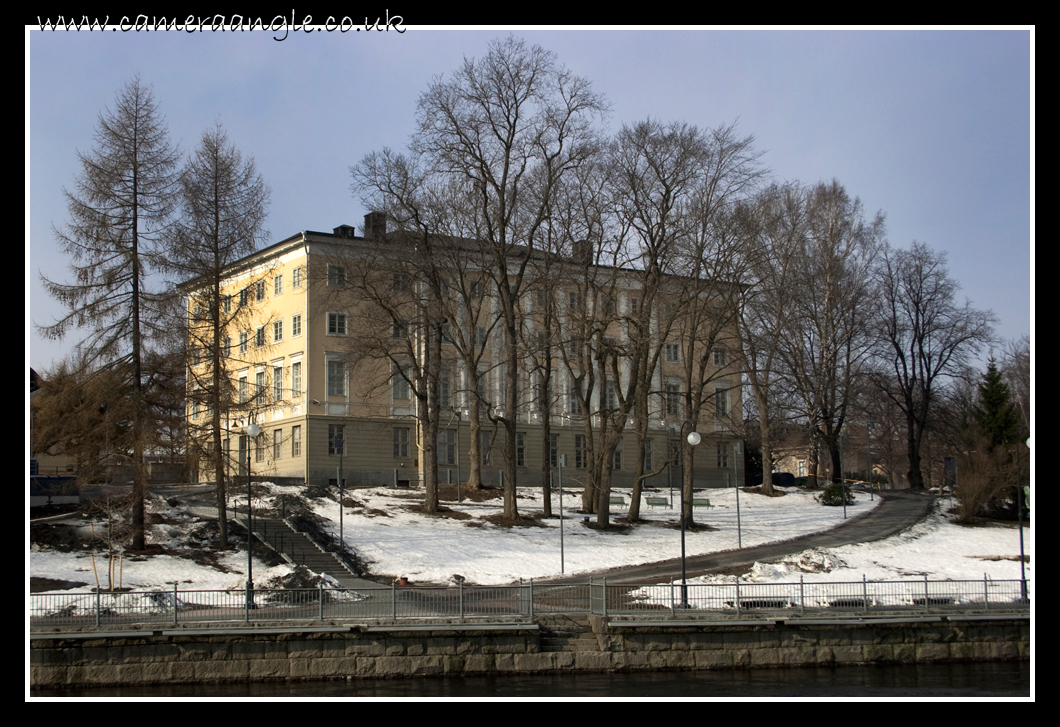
x,y
547,644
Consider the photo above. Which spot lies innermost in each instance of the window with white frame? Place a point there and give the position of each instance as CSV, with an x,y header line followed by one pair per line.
x,y
648,455
336,276
243,336
485,447
259,290
553,450
399,282
520,449
445,389
673,352
277,331
580,454
277,284
336,324
673,398
721,401
259,448
296,379
296,441
447,446
723,455
401,442
336,439
259,336
226,303
259,385
296,325
226,346
336,371
399,385
801,468
277,443
720,357
244,393
616,458
296,277
277,383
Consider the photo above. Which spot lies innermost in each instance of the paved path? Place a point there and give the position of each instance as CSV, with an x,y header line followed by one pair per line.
x,y
900,509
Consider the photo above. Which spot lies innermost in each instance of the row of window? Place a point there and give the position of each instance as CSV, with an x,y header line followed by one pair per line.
x,y
263,388
277,442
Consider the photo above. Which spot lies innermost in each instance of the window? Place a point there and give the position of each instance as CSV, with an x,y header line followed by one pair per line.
x,y
801,468
244,296
573,405
277,284
673,353
296,380
296,441
400,282
336,324
336,439
336,276
616,458
277,442
397,329
296,325
611,395
445,393
277,383
447,335
476,290
721,401
723,455
259,448
480,336
673,399
226,303
243,393
720,359
277,331
259,385
574,301
196,355
579,451
634,306
675,448
520,449
336,377
399,387
647,455
447,446
553,450
401,442
296,278
259,337
485,445
226,346
243,336
259,290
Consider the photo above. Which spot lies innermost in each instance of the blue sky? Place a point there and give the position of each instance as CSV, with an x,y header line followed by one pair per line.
x,y
933,127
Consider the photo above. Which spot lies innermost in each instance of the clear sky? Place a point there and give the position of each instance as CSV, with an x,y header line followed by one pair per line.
x,y
933,127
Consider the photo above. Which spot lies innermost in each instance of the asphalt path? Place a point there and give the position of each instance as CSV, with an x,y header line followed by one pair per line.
x,y
899,510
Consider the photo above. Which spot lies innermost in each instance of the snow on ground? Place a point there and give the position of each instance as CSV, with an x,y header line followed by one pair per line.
x,y
396,540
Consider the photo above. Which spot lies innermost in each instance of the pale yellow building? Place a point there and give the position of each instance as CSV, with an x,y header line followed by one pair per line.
x,y
289,360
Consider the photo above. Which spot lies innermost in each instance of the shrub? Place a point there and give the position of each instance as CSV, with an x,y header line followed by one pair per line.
x,y
833,495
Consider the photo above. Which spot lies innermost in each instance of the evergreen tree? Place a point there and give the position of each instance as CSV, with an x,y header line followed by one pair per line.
x,y
996,413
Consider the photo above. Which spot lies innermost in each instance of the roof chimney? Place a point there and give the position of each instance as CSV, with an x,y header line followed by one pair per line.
x,y
346,231
375,225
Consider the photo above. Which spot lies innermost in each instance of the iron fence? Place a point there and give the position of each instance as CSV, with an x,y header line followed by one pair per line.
x,y
175,607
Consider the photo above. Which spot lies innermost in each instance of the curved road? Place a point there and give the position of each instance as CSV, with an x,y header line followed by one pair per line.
x,y
899,510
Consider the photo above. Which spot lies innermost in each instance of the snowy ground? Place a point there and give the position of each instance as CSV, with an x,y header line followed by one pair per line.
x,y
396,540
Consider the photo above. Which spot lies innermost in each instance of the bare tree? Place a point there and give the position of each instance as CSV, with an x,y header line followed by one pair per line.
x,y
118,214
927,337
224,202
504,130
827,346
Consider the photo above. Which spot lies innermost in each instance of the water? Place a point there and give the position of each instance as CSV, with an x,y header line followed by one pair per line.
x,y
993,679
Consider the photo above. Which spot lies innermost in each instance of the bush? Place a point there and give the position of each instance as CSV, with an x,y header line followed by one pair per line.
x,y
833,495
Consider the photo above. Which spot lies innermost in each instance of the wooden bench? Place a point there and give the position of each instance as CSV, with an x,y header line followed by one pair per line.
x,y
657,502
701,502
618,500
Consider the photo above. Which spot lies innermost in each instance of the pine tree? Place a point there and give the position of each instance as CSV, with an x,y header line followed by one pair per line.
x,y
118,213
996,413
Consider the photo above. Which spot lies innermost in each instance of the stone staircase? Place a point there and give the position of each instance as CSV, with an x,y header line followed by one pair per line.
x,y
566,633
298,549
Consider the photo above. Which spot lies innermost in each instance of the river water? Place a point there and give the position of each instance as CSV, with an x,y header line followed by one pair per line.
x,y
965,680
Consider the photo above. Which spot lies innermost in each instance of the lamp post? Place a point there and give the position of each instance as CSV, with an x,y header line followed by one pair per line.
x,y
693,439
340,443
253,430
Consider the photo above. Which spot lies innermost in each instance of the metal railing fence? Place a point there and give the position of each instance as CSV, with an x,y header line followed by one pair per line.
x,y
176,607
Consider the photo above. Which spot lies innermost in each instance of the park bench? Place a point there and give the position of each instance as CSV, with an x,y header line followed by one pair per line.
x,y
618,500
657,502
701,502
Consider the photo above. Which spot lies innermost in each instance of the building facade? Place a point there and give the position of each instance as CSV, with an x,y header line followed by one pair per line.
x,y
300,364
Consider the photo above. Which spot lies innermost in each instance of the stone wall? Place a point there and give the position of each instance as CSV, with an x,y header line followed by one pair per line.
x,y
551,644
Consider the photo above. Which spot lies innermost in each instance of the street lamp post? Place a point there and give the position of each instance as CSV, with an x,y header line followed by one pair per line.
x,y
340,443
253,430
693,439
